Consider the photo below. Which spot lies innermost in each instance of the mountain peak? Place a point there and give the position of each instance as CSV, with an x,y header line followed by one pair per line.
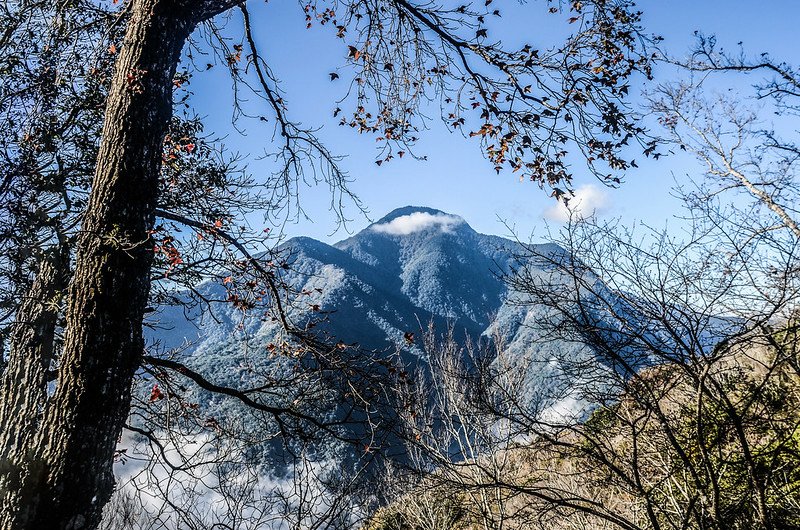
x,y
412,219
408,210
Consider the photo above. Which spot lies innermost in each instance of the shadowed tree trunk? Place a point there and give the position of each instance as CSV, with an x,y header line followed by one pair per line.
x,y
62,477
24,383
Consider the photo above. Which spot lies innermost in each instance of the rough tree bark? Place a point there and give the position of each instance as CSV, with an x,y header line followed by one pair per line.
x,y
24,383
64,477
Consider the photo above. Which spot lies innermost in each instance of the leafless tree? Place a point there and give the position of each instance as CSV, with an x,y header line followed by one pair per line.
x,y
673,401
745,142
660,391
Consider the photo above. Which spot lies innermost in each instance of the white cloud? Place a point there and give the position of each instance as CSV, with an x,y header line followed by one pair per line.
x,y
589,200
418,221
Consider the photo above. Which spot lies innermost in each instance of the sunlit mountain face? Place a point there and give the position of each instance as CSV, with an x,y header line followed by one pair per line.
x,y
374,293
411,268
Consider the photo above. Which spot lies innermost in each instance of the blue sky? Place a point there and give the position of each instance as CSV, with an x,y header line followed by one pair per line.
x,y
456,178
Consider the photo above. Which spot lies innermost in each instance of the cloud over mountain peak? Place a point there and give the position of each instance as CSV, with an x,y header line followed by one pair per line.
x,y
418,221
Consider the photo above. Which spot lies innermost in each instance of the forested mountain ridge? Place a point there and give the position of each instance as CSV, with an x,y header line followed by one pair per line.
x,y
411,267
379,291
518,353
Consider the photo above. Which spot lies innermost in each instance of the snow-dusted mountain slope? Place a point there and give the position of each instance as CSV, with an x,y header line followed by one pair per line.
x,y
410,267
413,266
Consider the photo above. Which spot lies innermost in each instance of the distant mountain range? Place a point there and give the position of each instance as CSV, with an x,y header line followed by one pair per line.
x,y
410,268
414,266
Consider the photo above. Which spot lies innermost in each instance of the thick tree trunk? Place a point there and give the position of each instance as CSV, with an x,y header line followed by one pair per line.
x,y
23,389
68,471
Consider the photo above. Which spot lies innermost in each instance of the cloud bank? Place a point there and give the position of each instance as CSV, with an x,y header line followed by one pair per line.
x,y
589,200
418,221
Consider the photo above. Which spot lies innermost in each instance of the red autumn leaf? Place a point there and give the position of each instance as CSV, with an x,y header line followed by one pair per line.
x,y
156,393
